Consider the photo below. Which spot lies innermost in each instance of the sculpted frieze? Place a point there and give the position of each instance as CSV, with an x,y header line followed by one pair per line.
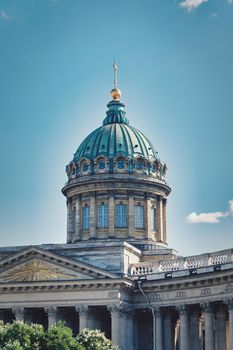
x,y
205,291
155,297
35,270
181,294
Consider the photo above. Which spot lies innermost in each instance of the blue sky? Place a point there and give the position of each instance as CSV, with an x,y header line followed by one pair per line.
x,y
176,76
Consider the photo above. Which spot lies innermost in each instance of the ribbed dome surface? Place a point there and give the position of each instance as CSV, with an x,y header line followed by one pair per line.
x,y
115,139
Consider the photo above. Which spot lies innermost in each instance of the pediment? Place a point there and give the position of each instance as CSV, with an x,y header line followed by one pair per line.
x,y
34,264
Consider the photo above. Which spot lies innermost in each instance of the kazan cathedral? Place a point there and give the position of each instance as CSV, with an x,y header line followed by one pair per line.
x,y
116,271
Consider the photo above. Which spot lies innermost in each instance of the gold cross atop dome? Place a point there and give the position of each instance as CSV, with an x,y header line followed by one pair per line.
x,y
115,92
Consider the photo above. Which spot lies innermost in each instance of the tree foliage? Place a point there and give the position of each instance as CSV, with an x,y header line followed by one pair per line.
x,y
60,337
95,340
21,336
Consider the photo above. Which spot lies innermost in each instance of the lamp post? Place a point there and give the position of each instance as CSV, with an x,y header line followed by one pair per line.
x,y
150,307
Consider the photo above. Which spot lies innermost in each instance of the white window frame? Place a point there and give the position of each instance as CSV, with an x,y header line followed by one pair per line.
x,y
121,215
139,216
102,215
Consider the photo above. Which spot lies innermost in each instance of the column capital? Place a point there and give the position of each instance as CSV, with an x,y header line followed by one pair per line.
x,y
51,310
182,308
82,309
77,197
208,307
157,311
164,200
18,312
92,194
111,193
230,304
114,308
120,308
130,193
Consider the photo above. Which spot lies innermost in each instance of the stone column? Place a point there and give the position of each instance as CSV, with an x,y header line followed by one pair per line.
x,y
77,219
131,214
130,325
220,329
194,330
83,312
70,229
159,220
111,212
158,329
92,215
115,325
167,331
1,315
209,327
148,222
164,213
19,314
230,312
184,327
52,315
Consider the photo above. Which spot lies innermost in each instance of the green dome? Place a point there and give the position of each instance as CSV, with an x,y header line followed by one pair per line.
x,y
116,137
116,147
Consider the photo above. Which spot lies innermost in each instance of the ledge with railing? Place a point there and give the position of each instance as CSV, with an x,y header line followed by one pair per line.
x,y
182,263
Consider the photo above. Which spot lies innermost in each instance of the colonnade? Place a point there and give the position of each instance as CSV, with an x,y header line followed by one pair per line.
x,y
198,327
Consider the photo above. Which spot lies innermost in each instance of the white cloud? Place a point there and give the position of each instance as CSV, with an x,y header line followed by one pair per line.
x,y
230,206
209,218
5,16
191,4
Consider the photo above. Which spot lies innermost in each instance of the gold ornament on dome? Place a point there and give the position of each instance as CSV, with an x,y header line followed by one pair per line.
x,y
115,92
34,271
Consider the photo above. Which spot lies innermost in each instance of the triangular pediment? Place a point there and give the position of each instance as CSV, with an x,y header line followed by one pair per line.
x,y
34,264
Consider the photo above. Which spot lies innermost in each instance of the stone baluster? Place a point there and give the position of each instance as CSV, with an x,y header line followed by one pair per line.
x,y
167,331
158,329
83,312
131,214
77,219
220,329
19,314
111,211
209,327
194,330
92,215
184,327
230,313
52,315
